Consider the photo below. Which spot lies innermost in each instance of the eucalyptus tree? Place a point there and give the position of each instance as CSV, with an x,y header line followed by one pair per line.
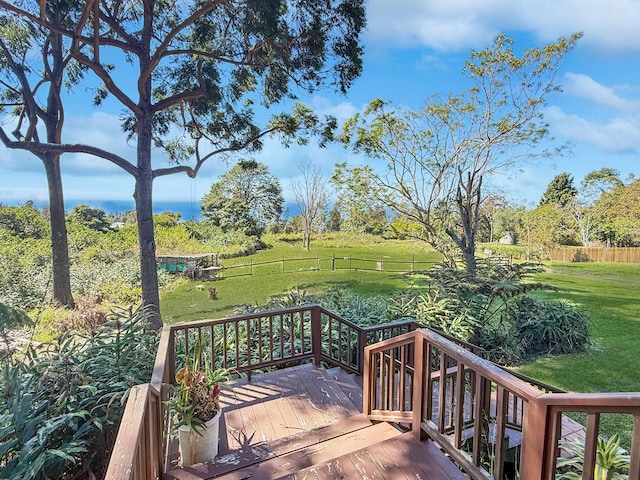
x,y
438,156
187,77
34,66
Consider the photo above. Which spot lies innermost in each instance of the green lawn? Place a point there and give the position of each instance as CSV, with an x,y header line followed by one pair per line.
x,y
609,292
190,300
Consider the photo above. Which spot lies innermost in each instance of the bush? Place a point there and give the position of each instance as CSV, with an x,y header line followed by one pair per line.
x,y
549,327
61,405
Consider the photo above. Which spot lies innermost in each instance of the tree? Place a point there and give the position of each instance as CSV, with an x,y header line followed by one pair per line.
x,y
334,220
187,79
541,229
618,213
437,157
312,199
360,199
595,183
246,198
26,82
94,218
560,191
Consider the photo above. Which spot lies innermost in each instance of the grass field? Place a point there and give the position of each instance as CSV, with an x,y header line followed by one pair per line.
x,y
245,283
608,292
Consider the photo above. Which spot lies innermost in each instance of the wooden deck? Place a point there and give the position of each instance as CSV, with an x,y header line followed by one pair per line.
x,y
305,422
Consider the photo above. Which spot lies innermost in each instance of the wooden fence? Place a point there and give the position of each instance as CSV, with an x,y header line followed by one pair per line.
x,y
318,263
596,254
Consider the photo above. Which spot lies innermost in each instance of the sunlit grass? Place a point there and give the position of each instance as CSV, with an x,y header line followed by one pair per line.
x,y
189,300
608,292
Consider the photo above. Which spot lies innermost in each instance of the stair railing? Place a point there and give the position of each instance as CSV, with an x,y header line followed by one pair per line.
x,y
489,421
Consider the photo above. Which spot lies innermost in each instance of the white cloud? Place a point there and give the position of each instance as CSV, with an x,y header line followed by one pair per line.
x,y
583,86
617,135
463,24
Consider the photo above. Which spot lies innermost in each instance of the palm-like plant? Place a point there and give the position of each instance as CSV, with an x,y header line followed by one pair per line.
x,y
612,461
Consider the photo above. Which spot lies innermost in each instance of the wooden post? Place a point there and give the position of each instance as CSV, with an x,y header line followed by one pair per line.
x,y
282,263
333,262
418,385
362,343
316,334
533,441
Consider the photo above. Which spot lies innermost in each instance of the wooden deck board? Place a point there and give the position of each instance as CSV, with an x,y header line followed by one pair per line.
x,y
306,422
398,458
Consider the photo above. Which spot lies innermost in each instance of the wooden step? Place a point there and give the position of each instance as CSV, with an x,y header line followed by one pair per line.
x,y
350,384
398,458
315,454
254,454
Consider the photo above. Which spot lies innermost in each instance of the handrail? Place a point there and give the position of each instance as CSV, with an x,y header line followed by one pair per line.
x,y
137,452
472,407
552,406
420,378
243,343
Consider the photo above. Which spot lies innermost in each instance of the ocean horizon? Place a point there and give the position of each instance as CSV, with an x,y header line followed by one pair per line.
x,y
187,210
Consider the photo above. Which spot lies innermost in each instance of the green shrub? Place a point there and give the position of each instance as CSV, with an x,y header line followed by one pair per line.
x,y
549,327
61,405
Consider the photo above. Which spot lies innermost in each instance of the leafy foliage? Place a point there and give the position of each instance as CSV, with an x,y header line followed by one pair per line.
x,y
560,191
246,198
549,327
61,405
612,461
197,396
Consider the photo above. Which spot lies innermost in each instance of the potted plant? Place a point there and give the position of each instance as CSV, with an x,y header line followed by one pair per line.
x,y
196,412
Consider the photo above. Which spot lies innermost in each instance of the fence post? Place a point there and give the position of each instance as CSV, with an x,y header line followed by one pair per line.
x,y
333,262
317,262
316,334
282,263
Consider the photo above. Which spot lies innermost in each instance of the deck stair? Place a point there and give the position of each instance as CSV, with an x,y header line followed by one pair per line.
x,y
340,443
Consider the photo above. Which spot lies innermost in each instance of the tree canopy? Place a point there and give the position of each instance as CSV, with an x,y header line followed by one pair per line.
x,y
245,198
438,156
560,191
187,80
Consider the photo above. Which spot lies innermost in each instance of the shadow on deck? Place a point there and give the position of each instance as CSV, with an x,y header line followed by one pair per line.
x,y
307,422
428,401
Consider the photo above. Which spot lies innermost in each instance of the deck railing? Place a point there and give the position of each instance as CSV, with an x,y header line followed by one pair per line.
x,y
489,421
243,344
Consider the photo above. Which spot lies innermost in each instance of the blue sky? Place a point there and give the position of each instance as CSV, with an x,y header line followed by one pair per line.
x,y
413,49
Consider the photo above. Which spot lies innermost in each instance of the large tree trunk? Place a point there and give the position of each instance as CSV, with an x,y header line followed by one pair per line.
x,y
146,242
59,245
143,194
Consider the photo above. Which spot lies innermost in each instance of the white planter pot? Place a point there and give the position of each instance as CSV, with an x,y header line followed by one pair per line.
x,y
196,448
